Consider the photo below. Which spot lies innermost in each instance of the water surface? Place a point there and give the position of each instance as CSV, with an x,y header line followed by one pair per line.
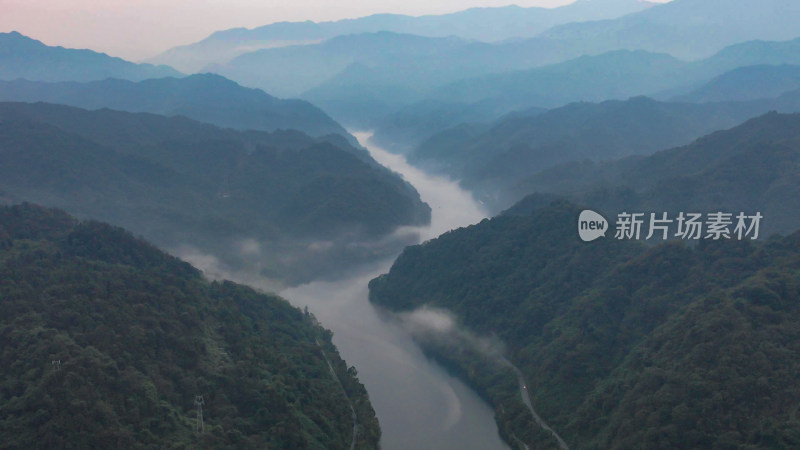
x,y
418,404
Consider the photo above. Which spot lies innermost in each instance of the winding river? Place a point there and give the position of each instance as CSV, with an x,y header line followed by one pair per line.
x,y
418,404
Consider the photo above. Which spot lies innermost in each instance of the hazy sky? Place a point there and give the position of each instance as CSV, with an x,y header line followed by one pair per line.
x,y
137,29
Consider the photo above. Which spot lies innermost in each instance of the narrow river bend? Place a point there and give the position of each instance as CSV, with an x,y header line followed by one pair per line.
x,y
418,404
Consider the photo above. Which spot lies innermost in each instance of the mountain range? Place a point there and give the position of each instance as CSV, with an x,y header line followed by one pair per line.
x,y
282,204
111,343
619,344
746,83
362,88
617,74
616,106
380,62
389,70
482,24
206,98
745,72
689,29
750,168
494,160
24,58
405,129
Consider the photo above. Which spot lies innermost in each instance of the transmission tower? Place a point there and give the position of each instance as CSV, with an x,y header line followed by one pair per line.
x,y
199,426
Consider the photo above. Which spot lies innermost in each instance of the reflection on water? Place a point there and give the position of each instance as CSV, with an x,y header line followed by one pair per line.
x,y
419,405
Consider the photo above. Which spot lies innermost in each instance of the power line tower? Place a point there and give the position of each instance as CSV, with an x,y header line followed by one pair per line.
x,y
199,426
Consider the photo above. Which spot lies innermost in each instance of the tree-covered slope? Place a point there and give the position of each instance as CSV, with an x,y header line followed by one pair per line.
x,y
179,182
108,342
746,83
23,57
206,98
752,167
405,129
492,160
622,346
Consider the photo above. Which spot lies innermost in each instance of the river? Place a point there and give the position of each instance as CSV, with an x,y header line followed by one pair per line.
x,y
419,405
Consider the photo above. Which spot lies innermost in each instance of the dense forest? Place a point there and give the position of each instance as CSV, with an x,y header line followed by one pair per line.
x,y
497,160
622,345
179,182
131,193
108,342
750,168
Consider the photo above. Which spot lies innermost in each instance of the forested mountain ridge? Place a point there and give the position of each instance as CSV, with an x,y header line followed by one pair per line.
x,y
749,71
751,167
484,24
237,195
206,98
622,346
345,75
23,57
690,29
615,74
405,129
746,83
497,161
108,342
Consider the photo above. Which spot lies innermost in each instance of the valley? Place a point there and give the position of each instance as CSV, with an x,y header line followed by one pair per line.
x,y
202,246
419,404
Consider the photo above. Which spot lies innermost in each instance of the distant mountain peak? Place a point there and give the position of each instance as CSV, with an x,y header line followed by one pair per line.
x,y
487,24
205,97
24,57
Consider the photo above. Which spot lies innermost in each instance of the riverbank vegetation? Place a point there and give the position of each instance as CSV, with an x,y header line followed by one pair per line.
x,y
109,343
623,345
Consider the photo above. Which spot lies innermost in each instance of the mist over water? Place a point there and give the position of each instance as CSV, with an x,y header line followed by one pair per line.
x,y
418,404
452,207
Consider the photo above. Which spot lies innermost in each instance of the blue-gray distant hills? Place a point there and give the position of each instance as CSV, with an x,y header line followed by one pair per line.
x,y
746,83
412,63
688,29
207,98
746,71
483,24
612,75
282,203
751,167
362,78
23,57
493,159
370,73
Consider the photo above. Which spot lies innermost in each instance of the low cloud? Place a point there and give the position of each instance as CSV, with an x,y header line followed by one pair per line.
x,y
440,326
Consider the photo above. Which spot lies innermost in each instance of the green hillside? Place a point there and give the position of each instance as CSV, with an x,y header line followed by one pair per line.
x,y
108,342
179,182
622,346
752,168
